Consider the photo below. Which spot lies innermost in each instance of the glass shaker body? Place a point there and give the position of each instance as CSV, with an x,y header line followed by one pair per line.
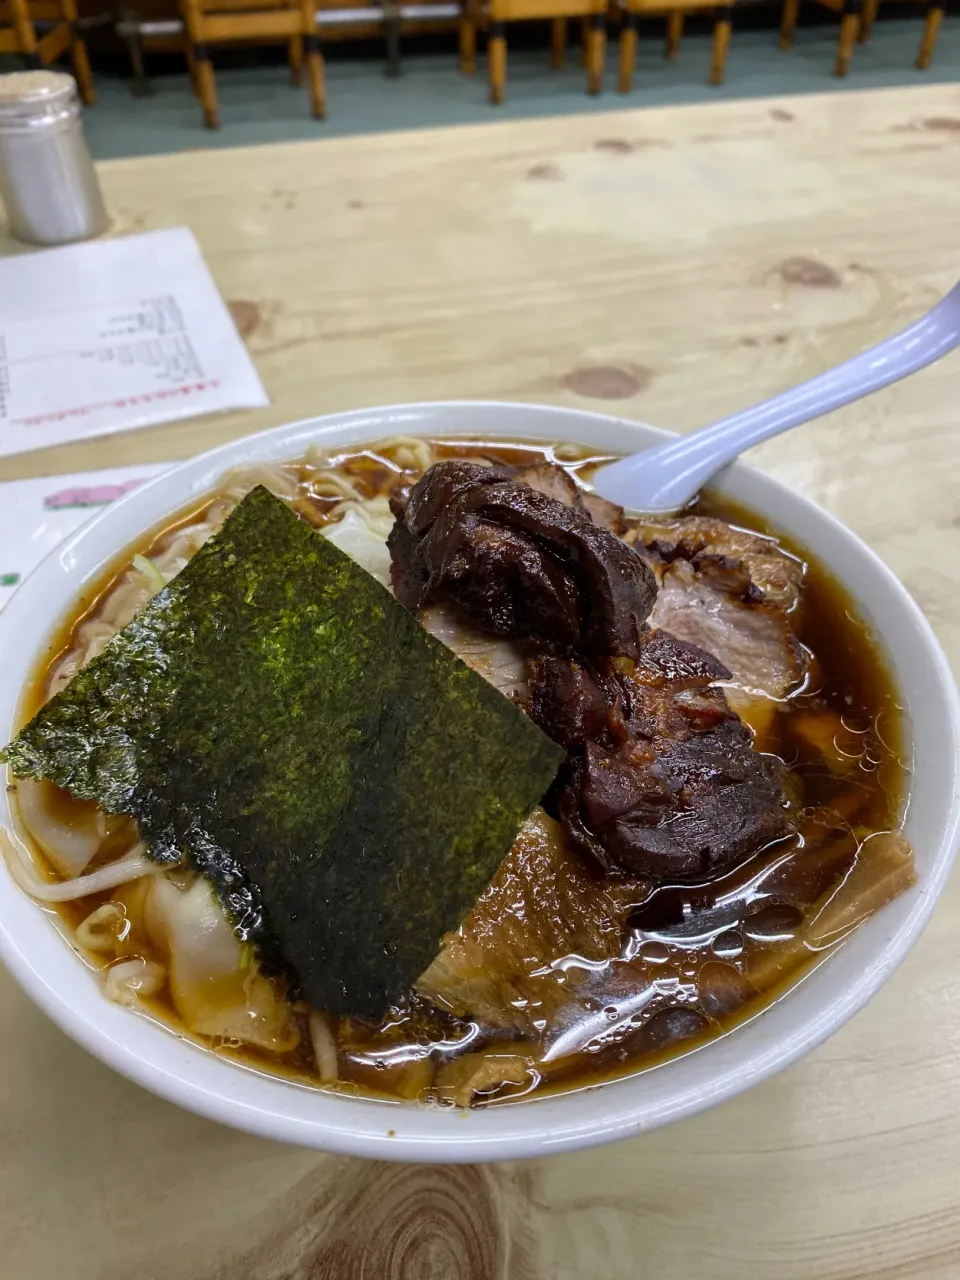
x,y
47,179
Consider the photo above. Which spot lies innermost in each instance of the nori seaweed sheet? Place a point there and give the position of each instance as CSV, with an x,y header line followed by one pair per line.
x,y
347,784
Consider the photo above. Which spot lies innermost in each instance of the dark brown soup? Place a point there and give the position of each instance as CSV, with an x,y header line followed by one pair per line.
x,y
672,965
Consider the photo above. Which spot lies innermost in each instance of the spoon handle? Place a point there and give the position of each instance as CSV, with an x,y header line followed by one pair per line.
x,y
670,475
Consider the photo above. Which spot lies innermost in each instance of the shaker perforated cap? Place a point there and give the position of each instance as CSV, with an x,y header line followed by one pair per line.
x,y
31,94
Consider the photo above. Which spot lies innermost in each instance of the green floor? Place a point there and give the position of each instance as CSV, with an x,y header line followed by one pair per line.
x,y
258,105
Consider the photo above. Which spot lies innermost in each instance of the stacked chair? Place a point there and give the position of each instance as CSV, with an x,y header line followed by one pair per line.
x,y
18,35
633,9
209,22
41,31
856,23
494,16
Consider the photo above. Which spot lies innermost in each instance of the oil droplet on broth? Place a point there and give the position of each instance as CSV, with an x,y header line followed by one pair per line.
x,y
672,1026
778,922
722,989
728,945
667,981
654,953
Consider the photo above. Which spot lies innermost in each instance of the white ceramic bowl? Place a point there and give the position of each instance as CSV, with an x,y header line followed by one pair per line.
x,y
51,973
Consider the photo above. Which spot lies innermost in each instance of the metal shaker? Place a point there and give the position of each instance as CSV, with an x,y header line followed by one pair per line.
x,y
47,179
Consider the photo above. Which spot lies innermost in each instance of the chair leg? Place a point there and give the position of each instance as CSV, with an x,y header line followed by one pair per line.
x,y
206,86
721,42
140,86
468,44
310,46
788,22
316,76
674,33
596,52
199,61
867,18
849,29
392,67
295,59
628,52
78,54
931,29
82,72
497,62
558,41
23,29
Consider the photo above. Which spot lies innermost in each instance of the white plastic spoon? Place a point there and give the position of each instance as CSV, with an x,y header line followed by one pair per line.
x,y
668,476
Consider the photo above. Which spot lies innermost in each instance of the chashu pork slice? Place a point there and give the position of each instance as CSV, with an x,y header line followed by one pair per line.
x,y
753,640
733,593
774,576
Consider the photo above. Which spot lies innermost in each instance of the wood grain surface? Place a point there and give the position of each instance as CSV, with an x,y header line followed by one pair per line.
x,y
666,265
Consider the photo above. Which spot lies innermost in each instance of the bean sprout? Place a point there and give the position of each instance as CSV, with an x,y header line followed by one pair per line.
x,y
324,1047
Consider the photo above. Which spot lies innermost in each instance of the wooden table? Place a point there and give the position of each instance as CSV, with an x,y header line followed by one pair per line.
x,y
668,265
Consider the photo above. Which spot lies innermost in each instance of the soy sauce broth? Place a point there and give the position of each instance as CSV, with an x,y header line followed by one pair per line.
x,y
697,959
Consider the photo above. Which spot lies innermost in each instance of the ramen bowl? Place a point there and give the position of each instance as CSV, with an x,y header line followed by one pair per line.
x,y
40,958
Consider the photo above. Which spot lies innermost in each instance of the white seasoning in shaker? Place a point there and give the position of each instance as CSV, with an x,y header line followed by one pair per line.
x,y
47,179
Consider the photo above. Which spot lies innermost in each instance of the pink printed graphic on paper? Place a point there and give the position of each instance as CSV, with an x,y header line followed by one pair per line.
x,y
88,495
